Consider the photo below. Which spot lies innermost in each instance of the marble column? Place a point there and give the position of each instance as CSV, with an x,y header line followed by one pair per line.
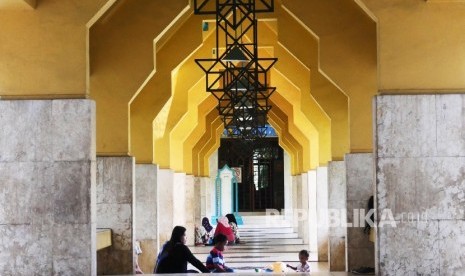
x,y
312,225
304,206
337,216
47,190
198,201
179,199
115,210
146,230
298,210
165,205
206,195
288,189
360,186
190,209
295,222
420,181
210,185
322,212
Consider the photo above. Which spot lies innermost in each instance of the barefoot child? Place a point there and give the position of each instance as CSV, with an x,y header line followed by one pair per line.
x,y
303,266
215,261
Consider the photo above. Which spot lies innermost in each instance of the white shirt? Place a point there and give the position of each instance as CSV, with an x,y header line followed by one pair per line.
x,y
303,268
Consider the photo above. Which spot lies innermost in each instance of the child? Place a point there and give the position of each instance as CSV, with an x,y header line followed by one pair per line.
x,y
303,266
215,261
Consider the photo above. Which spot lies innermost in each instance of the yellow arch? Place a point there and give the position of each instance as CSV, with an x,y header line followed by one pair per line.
x,y
205,109
156,90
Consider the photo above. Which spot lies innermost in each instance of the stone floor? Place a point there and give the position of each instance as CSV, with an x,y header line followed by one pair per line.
x,y
263,242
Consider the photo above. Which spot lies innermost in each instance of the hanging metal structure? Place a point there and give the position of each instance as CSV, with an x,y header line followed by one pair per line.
x,y
236,76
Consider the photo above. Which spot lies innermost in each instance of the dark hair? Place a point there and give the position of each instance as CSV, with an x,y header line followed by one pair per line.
x,y
176,235
206,224
304,253
219,238
231,218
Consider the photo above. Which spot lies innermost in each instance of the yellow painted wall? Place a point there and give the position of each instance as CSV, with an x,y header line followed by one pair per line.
x,y
43,51
121,58
425,50
299,51
286,141
327,48
294,76
347,43
212,123
188,76
157,89
205,115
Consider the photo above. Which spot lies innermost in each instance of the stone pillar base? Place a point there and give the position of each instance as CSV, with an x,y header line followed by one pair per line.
x,y
115,210
420,176
47,187
360,186
146,215
337,204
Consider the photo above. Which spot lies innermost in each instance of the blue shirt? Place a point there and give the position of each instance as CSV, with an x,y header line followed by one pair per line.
x,y
215,258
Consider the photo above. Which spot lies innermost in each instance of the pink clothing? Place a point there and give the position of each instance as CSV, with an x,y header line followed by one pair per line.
x,y
224,221
227,231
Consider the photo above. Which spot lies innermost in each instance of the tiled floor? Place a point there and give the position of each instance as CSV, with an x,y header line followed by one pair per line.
x,y
263,243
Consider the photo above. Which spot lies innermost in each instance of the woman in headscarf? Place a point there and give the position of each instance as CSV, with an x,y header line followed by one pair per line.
x,y
175,254
203,233
222,227
233,225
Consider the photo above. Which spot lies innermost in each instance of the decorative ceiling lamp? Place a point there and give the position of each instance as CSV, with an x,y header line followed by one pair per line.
x,y
236,76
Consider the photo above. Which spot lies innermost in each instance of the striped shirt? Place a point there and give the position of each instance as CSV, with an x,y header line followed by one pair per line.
x,y
215,258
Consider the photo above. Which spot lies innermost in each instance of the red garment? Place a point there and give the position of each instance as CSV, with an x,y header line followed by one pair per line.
x,y
227,231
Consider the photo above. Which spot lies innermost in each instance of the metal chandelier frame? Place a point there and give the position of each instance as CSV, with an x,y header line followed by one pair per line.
x,y
236,76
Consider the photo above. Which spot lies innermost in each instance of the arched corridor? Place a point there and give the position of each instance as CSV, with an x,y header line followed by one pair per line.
x,y
106,124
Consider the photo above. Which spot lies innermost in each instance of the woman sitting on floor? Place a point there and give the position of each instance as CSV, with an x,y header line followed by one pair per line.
x,y
203,233
222,227
175,254
233,224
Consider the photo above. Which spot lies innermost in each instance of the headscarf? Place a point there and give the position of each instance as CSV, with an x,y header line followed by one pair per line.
x,y
206,224
224,221
231,218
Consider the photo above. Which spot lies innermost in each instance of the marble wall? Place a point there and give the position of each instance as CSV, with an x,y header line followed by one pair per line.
x,y
420,180
165,222
288,189
190,202
146,228
322,212
360,186
115,210
337,218
295,222
47,191
297,211
179,199
210,185
312,225
198,203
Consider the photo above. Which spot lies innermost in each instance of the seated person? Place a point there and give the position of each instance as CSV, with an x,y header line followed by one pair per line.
x,y
215,260
303,266
233,224
204,233
175,254
222,227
